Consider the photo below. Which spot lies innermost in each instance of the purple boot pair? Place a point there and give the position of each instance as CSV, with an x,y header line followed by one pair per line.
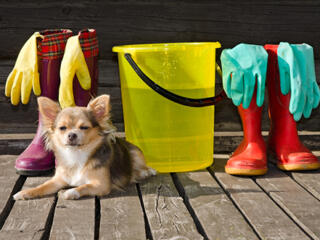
x,y
36,160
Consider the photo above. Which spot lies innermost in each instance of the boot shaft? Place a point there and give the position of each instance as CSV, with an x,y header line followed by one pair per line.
x,y
250,156
89,45
282,121
251,119
50,52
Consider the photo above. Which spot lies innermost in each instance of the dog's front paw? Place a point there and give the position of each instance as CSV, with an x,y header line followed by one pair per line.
x,y
70,194
22,195
152,172
145,173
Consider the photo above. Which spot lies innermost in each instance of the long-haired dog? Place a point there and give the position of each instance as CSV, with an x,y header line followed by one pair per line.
x,y
89,157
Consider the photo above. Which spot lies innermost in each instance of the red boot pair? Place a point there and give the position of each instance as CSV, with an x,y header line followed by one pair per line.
x,y
250,158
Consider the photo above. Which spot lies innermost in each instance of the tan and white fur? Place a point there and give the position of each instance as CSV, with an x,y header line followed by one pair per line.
x,y
89,158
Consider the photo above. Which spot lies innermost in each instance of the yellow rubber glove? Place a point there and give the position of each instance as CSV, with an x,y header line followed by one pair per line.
x,y
73,62
25,73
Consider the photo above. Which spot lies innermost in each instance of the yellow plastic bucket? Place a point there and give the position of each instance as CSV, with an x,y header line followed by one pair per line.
x,y
173,137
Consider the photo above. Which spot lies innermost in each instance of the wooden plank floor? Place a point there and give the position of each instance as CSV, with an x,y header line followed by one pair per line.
x,y
207,204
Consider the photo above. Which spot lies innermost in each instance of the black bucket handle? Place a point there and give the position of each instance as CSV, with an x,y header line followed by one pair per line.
x,y
191,102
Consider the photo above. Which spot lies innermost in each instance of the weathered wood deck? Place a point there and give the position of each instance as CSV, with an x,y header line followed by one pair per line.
x,y
208,204
200,205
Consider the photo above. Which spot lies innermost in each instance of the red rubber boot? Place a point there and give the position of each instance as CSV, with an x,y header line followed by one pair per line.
x,y
36,160
250,157
283,143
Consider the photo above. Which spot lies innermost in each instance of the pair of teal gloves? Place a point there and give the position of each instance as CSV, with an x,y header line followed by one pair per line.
x,y
244,67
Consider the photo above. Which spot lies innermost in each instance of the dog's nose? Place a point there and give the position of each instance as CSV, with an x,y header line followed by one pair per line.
x,y
72,136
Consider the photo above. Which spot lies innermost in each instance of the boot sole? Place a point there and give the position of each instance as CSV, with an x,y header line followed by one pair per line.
x,y
246,172
34,173
299,167
293,167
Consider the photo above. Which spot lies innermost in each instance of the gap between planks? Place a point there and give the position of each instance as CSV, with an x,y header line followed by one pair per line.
x,y
267,220
20,136
218,156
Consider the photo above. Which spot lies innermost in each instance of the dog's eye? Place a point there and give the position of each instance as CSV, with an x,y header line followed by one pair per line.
x,y
84,127
63,128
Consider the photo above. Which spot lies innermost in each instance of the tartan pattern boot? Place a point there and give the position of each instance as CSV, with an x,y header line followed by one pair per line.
x,y
36,160
89,45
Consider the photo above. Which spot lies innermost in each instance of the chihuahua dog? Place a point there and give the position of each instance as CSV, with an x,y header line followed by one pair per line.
x,y
89,157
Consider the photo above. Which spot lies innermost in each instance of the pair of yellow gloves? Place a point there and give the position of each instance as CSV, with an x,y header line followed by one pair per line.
x,y
25,75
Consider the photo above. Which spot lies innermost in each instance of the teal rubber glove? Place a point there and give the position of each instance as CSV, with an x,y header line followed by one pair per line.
x,y
244,67
297,76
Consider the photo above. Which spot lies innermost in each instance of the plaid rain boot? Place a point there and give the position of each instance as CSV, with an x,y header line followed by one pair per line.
x,y
36,160
89,45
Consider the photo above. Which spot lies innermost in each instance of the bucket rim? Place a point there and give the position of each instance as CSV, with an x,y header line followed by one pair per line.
x,y
153,47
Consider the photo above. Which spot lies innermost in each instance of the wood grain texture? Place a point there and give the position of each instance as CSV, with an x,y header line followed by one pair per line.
x,y
309,180
108,71
297,202
73,219
216,213
27,219
167,215
8,178
268,220
222,144
122,216
124,22
138,21
12,116
15,235
226,115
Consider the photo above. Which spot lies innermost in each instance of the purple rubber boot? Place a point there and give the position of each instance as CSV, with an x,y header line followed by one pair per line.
x,y
89,45
36,160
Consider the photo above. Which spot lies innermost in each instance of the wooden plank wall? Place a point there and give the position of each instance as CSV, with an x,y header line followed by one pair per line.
x,y
138,21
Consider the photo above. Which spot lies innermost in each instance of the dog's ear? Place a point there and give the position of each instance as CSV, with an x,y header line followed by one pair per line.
x,y
100,107
48,111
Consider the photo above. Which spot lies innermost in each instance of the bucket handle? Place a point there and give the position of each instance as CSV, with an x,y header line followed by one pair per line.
x,y
192,102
